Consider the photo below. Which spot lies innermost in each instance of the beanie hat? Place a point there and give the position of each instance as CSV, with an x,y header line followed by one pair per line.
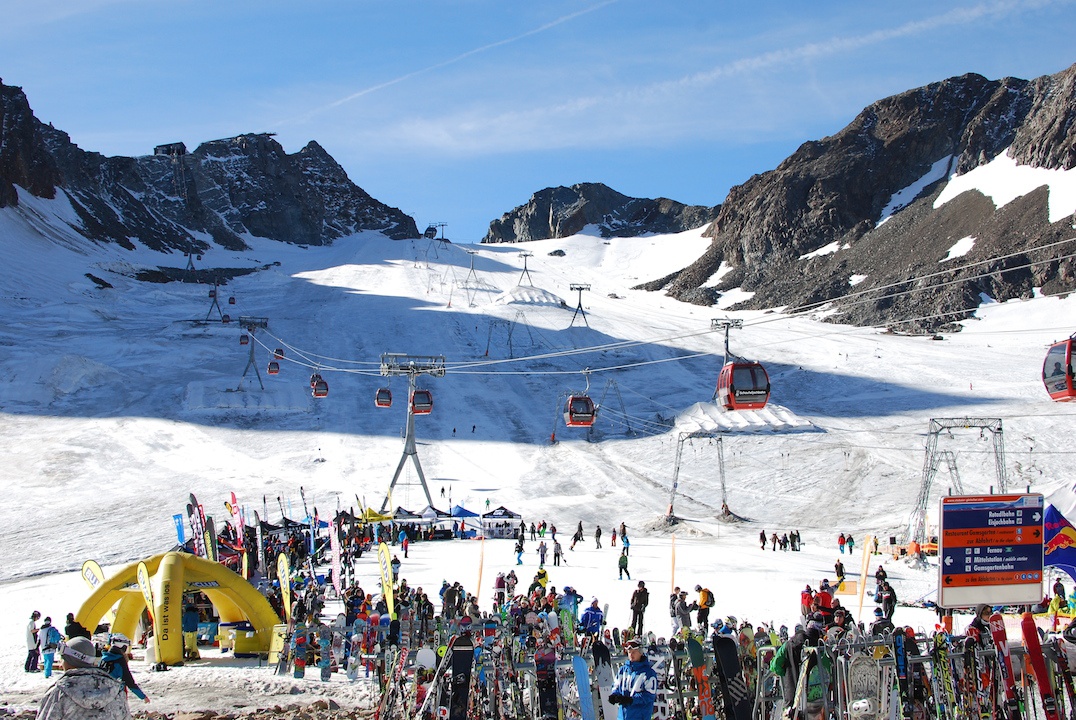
x,y
78,652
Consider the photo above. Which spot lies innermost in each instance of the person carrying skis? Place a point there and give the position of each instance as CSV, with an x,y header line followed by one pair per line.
x,y
636,685
639,600
622,565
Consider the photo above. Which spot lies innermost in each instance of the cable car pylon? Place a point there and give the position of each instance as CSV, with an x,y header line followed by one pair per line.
x,y
411,366
251,324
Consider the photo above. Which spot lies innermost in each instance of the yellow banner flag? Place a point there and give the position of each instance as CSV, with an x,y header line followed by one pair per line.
x,y
283,576
385,561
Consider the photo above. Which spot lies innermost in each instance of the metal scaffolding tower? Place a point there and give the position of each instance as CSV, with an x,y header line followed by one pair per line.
x,y
411,366
917,524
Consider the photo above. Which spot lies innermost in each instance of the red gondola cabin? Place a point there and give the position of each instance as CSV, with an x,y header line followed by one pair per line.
x,y
320,389
383,398
422,402
1057,371
743,386
274,367
579,411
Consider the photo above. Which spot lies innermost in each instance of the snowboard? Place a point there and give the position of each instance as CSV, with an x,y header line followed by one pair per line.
x,y
325,652
1038,665
298,651
737,699
863,687
462,664
603,678
697,657
582,684
545,662
355,650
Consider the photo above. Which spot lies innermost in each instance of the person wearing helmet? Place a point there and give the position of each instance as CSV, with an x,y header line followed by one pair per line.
x,y
636,685
114,662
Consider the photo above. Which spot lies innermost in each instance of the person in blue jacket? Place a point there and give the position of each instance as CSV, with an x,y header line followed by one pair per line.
x,y
636,685
190,633
592,620
114,661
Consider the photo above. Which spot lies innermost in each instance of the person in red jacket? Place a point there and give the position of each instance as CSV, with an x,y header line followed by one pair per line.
x,y
806,597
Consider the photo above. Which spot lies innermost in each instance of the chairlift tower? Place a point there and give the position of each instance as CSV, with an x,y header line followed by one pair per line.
x,y
670,517
580,287
250,324
916,530
526,273
410,366
214,295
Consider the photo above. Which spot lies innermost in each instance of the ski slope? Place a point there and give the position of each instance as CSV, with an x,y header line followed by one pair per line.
x,y
119,402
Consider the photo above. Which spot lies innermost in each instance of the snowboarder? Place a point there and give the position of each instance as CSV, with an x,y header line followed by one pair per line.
x,y
636,685
639,600
622,565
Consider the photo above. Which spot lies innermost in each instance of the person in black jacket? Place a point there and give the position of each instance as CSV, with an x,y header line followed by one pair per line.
x,y
639,600
74,628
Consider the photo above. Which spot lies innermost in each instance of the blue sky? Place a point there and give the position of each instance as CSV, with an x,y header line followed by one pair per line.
x,y
459,111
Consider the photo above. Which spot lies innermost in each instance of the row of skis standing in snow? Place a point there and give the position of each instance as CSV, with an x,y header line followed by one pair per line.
x,y
544,668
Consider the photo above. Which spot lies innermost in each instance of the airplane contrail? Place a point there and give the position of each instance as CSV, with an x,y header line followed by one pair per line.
x,y
457,58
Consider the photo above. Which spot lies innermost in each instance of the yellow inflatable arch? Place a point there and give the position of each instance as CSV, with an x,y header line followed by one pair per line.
x,y
171,575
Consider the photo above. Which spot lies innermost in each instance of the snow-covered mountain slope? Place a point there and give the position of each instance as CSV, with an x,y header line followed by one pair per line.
x,y
118,402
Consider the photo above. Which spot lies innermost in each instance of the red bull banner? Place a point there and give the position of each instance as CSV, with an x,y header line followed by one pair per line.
x,y
1059,549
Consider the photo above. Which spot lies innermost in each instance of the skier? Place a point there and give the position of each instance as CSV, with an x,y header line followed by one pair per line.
x,y
849,543
85,690
636,685
705,602
598,537
639,600
840,542
625,543
519,551
32,653
774,539
542,550
622,565
762,539
558,553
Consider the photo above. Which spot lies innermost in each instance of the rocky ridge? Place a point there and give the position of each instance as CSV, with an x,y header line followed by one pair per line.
x,y
803,234
226,189
564,211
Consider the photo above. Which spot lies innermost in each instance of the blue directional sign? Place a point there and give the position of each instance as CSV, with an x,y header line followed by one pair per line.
x,y
990,550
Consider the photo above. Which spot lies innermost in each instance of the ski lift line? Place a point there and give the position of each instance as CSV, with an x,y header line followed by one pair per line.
x,y
611,368
621,345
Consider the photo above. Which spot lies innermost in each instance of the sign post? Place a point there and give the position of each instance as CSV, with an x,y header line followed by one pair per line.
x,y
990,550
